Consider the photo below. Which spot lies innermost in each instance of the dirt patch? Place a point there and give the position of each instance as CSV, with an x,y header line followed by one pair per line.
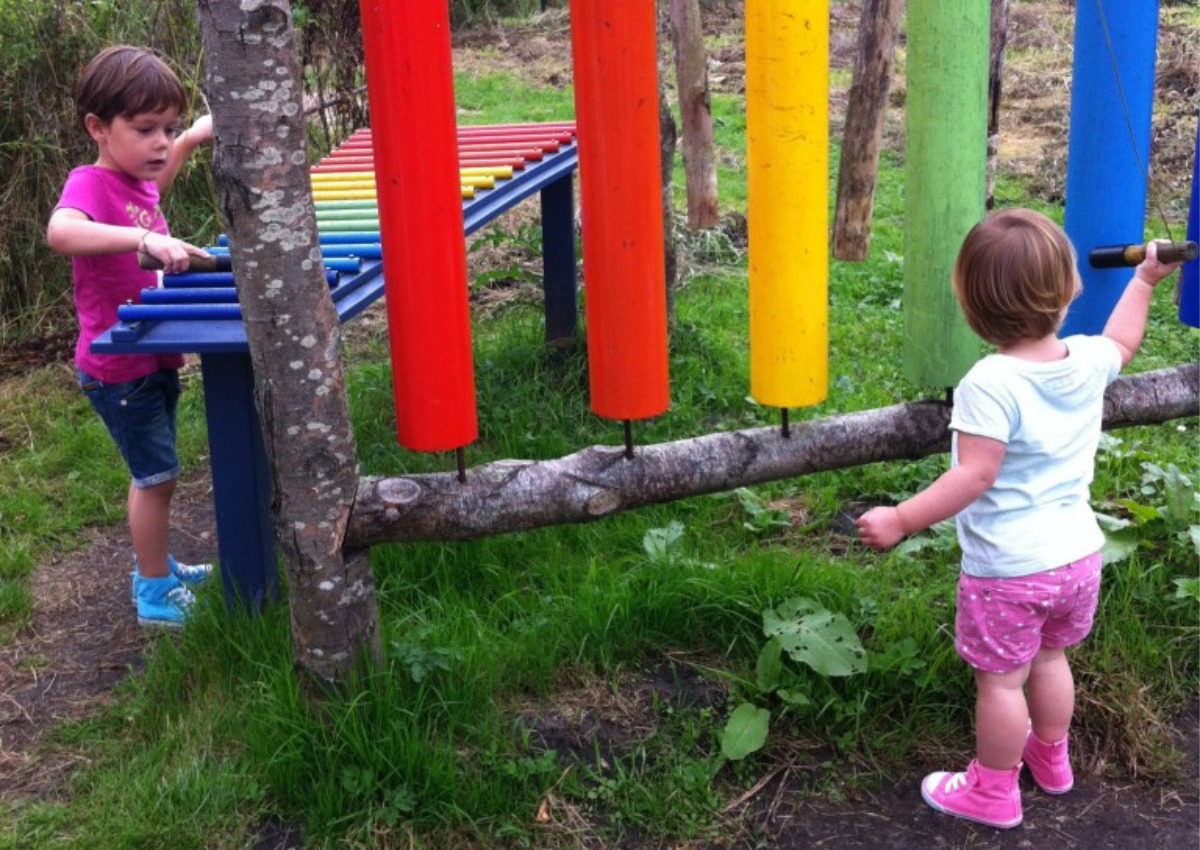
x,y
83,640
809,796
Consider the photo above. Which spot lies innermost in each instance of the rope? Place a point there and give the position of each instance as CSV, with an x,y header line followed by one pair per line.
x,y
1142,167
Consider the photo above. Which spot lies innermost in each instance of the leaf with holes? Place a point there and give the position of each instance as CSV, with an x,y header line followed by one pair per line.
x,y
821,639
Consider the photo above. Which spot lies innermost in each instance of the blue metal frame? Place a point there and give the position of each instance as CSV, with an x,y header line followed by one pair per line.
x,y
241,480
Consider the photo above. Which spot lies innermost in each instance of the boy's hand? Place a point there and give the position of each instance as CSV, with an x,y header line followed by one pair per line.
x,y
201,132
174,255
880,528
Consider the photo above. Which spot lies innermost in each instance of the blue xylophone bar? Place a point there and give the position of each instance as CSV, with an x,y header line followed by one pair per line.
x,y
190,303
361,250
180,312
191,295
212,280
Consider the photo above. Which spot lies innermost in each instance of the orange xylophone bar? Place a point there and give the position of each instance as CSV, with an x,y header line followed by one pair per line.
x,y
616,106
408,68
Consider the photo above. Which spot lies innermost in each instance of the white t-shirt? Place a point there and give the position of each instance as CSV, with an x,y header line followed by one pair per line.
x,y
1037,516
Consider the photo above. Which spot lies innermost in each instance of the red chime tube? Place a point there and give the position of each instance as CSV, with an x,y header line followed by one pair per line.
x,y
616,113
409,78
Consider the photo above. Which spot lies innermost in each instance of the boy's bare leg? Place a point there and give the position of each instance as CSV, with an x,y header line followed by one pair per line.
x,y
149,527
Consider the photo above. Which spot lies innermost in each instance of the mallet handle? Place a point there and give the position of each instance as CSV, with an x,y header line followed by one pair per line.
x,y
1116,256
213,263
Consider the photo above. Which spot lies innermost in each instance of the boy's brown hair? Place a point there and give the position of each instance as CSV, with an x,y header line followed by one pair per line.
x,y
1014,276
126,81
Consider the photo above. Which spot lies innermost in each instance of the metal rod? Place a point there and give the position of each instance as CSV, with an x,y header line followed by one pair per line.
x,y
461,456
628,440
786,426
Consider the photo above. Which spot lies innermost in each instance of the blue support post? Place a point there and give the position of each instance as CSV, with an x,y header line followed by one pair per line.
x,y
560,301
246,536
1108,148
1189,282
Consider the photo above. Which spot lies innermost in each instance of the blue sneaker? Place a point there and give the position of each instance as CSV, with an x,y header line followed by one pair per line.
x,y
189,574
162,601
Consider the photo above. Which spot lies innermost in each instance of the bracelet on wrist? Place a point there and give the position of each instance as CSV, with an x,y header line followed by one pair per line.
x,y
142,243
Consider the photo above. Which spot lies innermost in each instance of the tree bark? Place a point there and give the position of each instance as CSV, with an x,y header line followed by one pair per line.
x,y
695,112
517,495
261,168
878,29
999,28
667,138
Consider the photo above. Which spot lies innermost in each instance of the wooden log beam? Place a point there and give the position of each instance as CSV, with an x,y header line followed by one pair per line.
x,y
517,495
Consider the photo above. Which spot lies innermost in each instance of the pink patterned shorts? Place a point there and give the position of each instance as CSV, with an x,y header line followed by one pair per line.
x,y
1003,622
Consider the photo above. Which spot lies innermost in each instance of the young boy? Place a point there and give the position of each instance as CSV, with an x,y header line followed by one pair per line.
x,y
130,102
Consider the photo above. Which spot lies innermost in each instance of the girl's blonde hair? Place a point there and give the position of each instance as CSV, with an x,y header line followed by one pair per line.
x,y
1015,275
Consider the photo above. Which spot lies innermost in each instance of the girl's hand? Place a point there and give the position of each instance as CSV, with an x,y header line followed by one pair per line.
x,y
1150,270
881,528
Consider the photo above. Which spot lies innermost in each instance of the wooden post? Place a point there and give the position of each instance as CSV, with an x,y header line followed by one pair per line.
x,y
695,113
667,136
863,133
995,84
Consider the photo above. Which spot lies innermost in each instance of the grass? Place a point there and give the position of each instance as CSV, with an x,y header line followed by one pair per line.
x,y
61,473
646,626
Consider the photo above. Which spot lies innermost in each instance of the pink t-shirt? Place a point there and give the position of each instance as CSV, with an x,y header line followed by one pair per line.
x,y
105,281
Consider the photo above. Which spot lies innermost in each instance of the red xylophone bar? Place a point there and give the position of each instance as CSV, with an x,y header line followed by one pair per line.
x,y
545,142
500,152
368,164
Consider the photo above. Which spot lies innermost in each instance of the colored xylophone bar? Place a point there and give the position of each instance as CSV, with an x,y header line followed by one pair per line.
x,y
344,190
348,227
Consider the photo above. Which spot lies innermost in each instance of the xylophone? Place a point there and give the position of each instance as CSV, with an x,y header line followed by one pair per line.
x,y
198,312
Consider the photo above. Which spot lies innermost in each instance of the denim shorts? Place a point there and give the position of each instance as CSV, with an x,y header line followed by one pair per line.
x,y
140,416
1003,622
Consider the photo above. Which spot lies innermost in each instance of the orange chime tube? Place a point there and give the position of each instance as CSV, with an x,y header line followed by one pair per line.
x,y
616,113
407,52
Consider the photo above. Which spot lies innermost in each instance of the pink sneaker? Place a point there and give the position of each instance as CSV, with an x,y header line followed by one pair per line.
x,y
1049,764
990,797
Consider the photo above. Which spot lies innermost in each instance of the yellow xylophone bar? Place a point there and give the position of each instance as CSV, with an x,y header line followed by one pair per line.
x,y
479,182
500,172
368,194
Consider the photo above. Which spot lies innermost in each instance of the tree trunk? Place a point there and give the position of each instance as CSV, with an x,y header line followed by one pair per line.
x,y
995,78
667,138
695,112
261,168
516,495
878,29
